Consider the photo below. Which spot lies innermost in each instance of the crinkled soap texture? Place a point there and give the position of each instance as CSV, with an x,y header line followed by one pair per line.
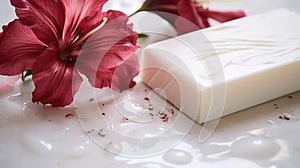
x,y
60,39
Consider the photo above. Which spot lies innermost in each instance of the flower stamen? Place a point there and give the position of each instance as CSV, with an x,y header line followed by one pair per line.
x,y
105,19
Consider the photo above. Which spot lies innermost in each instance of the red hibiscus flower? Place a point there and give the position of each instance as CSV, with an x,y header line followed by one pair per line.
x,y
60,39
190,10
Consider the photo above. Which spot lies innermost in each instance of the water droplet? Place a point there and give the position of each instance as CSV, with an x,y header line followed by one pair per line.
x,y
14,96
136,108
254,148
77,151
176,156
271,122
48,146
37,145
25,105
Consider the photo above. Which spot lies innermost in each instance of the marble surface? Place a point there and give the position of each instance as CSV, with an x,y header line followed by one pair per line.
x,y
137,128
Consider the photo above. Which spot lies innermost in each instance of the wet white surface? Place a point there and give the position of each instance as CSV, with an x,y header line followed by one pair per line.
x,y
35,135
137,128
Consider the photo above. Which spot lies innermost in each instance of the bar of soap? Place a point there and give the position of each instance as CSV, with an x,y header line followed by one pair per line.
x,y
223,69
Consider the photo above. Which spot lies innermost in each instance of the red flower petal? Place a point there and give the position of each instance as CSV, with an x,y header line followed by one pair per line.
x,y
108,48
19,49
55,80
123,76
82,16
155,4
3,28
187,10
181,8
167,9
118,78
45,17
221,16
169,6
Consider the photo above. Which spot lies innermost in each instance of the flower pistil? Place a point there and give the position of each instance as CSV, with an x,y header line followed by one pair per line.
x,y
84,38
71,52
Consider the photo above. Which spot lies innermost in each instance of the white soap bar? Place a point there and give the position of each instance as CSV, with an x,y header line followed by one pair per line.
x,y
227,68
